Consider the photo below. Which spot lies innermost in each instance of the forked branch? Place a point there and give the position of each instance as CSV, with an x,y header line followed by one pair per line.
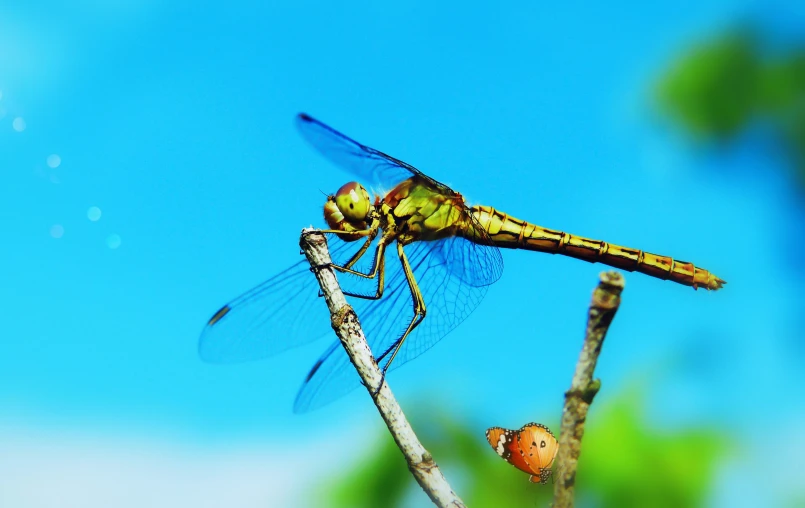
x,y
346,326
604,305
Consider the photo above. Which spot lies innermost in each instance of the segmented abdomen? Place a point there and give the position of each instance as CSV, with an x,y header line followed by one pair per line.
x,y
509,232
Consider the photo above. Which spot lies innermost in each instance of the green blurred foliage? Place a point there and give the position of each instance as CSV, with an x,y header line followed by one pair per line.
x,y
718,88
624,463
798,502
713,90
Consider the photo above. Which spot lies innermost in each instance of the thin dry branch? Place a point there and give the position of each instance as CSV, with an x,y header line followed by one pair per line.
x,y
346,326
604,305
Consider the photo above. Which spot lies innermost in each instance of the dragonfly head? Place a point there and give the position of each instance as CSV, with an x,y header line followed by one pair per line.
x,y
349,208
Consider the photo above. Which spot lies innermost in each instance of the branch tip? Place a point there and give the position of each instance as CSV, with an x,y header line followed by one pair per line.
x,y
603,306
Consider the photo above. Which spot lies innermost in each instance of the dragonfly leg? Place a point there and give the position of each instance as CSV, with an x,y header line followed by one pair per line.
x,y
419,309
370,235
378,265
357,234
378,270
358,255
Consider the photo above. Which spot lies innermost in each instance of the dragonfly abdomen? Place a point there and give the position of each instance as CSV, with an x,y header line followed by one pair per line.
x,y
506,231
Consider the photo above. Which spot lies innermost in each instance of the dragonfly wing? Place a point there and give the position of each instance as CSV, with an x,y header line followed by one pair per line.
x,y
449,300
383,172
475,261
281,313
331,377
373,167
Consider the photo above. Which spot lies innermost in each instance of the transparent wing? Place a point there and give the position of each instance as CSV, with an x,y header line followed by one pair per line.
x,y
281,313
374,168
440,269
480,265
383,172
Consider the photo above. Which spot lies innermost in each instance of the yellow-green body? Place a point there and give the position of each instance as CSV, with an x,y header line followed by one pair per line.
x,y
423,211
418,217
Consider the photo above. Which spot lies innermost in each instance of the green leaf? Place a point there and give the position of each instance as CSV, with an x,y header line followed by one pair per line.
x,y
714,89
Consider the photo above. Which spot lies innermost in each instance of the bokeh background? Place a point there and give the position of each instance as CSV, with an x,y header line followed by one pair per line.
x,y
151,172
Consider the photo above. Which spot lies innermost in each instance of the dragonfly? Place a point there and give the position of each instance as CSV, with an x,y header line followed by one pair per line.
x,y
416,259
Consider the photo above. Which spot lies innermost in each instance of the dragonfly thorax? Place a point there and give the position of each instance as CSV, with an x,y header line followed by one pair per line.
x,y
349,209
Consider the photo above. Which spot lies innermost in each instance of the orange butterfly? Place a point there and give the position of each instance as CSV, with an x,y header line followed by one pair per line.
x,y
530,449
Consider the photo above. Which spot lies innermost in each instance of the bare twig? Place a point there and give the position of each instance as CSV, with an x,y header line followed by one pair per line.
x,y
605,302
346,326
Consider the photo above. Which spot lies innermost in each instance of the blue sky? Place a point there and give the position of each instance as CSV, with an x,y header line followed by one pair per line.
x,y
176,121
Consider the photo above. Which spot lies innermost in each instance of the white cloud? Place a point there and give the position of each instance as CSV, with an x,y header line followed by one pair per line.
x,y
48,469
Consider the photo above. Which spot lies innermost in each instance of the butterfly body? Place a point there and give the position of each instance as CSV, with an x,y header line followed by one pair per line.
x,y
531,449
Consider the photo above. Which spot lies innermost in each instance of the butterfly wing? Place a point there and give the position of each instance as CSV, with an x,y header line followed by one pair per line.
x,y
538,446
506,443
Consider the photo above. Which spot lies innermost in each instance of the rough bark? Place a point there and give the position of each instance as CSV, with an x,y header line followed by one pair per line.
x,y
604,305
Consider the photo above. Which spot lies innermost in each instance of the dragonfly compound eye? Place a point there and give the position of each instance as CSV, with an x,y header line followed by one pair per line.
x,y
353,201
